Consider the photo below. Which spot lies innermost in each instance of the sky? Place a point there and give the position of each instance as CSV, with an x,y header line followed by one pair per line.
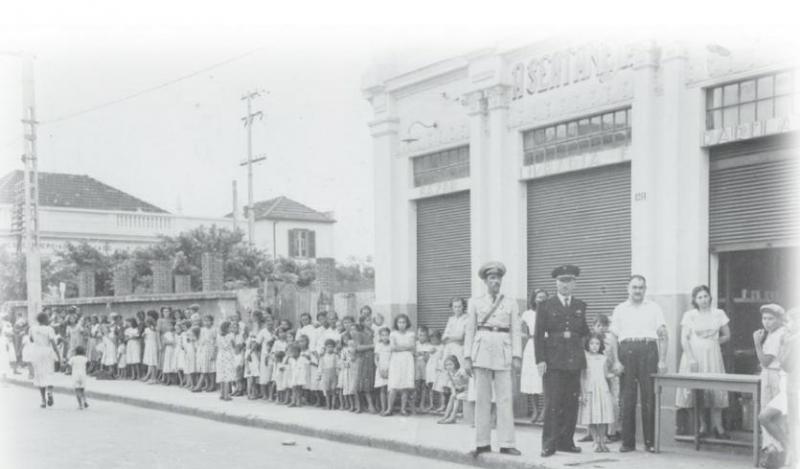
x,y
148,100
179,146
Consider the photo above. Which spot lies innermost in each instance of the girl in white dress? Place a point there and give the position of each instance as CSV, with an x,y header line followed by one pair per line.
x,y
530,381
596,404
432,369
170,363
180,352
109,360
703,331
401,364
133,348
190,337
264,340
150,356
43,353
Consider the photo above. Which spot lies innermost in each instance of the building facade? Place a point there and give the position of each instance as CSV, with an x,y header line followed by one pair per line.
x,y
75,208
673,160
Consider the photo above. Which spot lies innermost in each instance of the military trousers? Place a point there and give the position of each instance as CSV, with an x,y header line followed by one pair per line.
x,y
562,389
483,407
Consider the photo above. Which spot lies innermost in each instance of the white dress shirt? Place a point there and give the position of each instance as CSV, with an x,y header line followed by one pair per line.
x,y
637,321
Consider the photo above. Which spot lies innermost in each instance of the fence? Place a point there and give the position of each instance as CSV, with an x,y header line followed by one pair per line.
x,y
289,301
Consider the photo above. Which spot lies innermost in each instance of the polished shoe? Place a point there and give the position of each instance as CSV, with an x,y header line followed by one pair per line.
x,y
546,453
626,449
511,451
651,449
586,438
480,449
571,449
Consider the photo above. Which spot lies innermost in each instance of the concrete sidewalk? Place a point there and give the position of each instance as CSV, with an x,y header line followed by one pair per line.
x,y
417,435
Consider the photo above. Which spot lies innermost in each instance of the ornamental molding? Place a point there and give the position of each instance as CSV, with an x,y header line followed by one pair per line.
x,y
498,97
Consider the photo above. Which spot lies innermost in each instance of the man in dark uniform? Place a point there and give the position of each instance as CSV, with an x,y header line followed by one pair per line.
x,y
558,344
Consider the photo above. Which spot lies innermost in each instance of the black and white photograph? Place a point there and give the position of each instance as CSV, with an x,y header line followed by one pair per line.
x,y
392,235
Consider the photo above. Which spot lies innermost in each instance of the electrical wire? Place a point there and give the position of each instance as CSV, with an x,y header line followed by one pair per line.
x,y
148,90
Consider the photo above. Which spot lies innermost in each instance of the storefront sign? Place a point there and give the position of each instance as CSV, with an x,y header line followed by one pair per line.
x,y
750,130
567,67
440,188
575,163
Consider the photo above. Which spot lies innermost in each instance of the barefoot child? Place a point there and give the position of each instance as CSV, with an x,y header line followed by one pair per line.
x,y
401,364
169,364
78,366
421,357
328,363
457,383
252,367
596,403
122,365
383,354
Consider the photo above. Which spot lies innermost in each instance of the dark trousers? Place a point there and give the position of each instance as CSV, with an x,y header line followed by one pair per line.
x,y
561,391
640,360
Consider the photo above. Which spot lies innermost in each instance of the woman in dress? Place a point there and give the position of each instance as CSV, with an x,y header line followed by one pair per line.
x,y
530,381
703,331
453,343
43,355
365,350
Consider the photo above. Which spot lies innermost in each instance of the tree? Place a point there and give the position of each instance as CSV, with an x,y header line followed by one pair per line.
x,y
12,275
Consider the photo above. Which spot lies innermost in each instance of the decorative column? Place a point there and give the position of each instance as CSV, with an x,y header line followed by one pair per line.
x,y
476,103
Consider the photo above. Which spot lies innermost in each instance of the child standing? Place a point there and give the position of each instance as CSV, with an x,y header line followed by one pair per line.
x,y
280,345
299,363
225,363
530,380
78,365
252,367
169,367
150,357
205,356
122,365
350,373
180,351
109,360
457,383
421,357
596,403
189,339
328,363
133,348
401,364
238,347
383,355
431,369
768,344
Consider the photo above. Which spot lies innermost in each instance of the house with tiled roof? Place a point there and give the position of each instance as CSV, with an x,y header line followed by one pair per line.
x,y
287,228
77,207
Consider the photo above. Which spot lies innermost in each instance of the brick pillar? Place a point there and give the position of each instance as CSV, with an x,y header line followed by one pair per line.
x,y
212,267
183,283
86,283
325,269
162,276
123,280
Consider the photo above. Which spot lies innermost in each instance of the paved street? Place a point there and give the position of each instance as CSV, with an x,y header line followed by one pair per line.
x,y
110,435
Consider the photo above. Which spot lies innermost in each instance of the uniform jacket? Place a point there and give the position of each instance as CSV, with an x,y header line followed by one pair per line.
x,y
553,319
487,349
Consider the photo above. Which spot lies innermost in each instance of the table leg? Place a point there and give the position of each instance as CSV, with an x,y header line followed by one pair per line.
x,y
756,425
696,397
658,419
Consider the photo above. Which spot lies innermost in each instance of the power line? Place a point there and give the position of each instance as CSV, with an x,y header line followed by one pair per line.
x,y
149,90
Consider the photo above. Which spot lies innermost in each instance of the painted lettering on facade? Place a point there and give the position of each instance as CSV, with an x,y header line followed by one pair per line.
x,y
750,130
563,68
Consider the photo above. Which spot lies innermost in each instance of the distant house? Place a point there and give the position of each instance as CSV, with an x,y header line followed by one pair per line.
x,y
286,228
76,207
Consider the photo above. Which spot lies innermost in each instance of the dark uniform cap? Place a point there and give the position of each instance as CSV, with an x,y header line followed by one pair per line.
x,y
567,270
491,267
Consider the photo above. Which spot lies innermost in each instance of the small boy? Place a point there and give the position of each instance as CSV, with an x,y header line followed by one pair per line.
x,y
78,365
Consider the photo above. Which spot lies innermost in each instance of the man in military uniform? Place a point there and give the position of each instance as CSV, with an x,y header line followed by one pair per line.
x,y
492,345
558,344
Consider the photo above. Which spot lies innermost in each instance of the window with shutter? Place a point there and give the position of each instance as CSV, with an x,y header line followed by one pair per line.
x,y
312,244
292,243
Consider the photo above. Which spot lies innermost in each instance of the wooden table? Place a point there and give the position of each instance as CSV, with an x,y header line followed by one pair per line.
x,y
699,382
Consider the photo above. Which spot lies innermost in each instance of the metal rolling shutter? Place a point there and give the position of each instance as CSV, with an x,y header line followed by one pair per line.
x,y
753,198
582,218
443,255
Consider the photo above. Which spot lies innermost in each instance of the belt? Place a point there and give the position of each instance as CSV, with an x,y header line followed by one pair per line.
x,y
640,340
494,329
565,334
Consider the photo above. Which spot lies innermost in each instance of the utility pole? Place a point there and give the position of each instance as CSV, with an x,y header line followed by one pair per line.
x,y
235,205
248,123
31,189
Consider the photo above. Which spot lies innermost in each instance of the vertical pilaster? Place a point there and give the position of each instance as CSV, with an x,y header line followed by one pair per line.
x,y
479,179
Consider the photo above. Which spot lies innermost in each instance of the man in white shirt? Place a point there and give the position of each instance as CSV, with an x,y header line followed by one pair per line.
x,y
639,327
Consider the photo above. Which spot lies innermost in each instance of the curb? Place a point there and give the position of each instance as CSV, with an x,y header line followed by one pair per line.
x,y
491,461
